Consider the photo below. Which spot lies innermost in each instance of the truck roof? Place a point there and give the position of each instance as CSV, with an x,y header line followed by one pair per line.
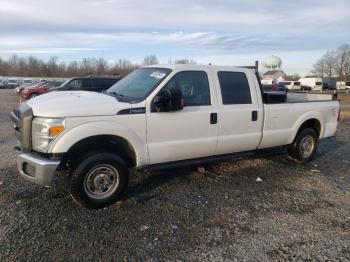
x,y
197,67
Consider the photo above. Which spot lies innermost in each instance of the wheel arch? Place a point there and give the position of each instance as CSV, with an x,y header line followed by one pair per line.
x,y
106,143
312,122
102,135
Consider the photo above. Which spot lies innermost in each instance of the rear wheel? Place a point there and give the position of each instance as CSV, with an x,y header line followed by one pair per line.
x,y
304,146
99,180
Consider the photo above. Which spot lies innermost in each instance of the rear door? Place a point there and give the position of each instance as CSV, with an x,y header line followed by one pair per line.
x,y
240,112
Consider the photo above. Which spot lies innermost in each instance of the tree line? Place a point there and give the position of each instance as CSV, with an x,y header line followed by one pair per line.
x,y
34,67
334,64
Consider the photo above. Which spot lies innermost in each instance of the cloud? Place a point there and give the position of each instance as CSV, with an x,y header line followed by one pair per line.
x,y
196,28
122,15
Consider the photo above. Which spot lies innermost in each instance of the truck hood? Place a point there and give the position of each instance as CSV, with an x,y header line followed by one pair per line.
x,y
75,103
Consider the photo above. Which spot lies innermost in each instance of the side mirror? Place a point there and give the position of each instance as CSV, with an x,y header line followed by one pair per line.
x,y
168,100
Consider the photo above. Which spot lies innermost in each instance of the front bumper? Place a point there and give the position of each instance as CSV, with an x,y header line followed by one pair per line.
x,y
37,169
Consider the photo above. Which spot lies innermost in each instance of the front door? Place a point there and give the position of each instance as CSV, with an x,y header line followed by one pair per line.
x,y
188,133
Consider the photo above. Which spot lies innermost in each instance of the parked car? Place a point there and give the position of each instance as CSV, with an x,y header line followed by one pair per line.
x,y
305,88
315,83
343,85
12,83
296,85
347,85
89,83
162,116
23,87
37,90
288,84
275,87
326,86
2,82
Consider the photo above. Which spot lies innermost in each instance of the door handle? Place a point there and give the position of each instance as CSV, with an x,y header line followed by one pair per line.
x,y
213,118
254,115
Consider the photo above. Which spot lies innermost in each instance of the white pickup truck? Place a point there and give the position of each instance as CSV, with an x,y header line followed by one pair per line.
x,y
161,116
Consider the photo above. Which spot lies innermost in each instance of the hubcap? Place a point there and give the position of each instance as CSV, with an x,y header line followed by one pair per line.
x,y
307,145
101,181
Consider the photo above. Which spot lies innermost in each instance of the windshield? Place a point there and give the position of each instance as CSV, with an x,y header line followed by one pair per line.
x,y
65,82
136,86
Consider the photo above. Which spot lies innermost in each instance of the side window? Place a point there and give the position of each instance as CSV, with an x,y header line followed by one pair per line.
x,y
234,88
75,84
194,86
104,83
99,82
86,83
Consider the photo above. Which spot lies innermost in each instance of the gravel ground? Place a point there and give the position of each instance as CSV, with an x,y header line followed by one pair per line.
x,y
297,212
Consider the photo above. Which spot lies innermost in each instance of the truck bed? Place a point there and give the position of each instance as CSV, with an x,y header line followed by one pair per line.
x,y
300,97
282,120
295,97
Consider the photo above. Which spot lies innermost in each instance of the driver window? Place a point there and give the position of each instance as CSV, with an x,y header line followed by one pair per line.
x,y
194,86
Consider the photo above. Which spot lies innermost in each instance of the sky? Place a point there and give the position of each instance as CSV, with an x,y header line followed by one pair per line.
x,y
222,32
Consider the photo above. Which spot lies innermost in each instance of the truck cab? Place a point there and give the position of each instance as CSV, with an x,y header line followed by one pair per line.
x,y
164,115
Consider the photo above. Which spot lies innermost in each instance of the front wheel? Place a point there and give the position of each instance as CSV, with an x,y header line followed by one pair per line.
x,y
99,180
304,146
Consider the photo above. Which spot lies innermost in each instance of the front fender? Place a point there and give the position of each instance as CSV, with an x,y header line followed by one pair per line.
x,y
70,137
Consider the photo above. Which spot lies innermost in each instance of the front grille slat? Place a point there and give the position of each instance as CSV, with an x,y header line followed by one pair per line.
x,y
22,119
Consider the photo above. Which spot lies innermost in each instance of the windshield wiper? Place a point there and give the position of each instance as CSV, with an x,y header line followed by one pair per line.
x,y
119,96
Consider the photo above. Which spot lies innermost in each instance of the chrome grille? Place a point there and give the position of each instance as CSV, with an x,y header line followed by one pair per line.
x,y
22,120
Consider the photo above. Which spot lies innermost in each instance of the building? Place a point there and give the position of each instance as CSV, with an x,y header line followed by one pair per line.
x,y
274,73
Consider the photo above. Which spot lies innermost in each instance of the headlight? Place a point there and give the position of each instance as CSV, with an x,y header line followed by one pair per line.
x,y
44,131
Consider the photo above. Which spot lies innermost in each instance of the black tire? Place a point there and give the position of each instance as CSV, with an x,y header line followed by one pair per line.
x,y
304,147
86,180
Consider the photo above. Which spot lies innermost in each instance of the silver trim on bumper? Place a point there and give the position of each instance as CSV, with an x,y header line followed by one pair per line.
x,y
44,169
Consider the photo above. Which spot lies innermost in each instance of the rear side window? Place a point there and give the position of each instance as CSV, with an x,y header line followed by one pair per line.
x,y
104,83
234,88
318,83
194,86
297,83
86,83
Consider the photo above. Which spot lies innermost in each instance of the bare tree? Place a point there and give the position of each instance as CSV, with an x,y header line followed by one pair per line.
x,y
150,60
122,67
342,61
330,62
319,68
335,63
293,77
185,61
72,69
101,66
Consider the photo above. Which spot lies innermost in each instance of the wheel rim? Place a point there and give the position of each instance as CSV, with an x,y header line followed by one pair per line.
x,y
101,181
307,145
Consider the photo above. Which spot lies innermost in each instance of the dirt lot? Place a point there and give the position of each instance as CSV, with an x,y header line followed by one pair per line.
x,y
295,212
